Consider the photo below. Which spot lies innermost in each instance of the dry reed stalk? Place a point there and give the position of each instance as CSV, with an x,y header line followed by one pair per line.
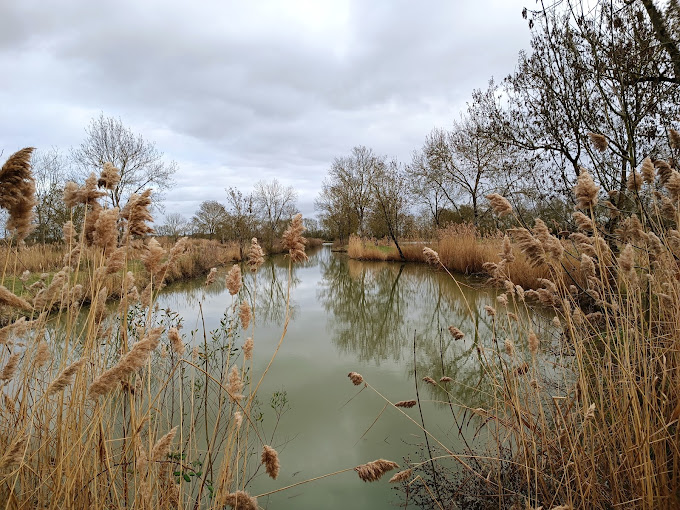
x,y
65,377
586,190
248,349
110,177
162,446
372,471
234,280
356,378
255,255
270,459
9,370
431,256
245,314
137,214
456,333
293,240
235,385
401,476
241,500
499,204
8,298
17,192
14,454
176,341
599,141
212,275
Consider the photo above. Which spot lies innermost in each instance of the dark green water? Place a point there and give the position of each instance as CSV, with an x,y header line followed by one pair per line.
x,y
352,316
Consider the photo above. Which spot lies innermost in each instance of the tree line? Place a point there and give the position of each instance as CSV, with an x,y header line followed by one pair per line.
x,y
598,89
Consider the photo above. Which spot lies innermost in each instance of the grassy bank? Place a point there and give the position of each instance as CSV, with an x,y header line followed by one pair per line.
x,y
461,249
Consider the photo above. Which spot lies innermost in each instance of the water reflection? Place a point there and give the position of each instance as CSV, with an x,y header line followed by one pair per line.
x,y
377,310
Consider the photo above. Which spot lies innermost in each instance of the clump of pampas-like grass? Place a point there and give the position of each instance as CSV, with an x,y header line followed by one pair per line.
x,y
17,192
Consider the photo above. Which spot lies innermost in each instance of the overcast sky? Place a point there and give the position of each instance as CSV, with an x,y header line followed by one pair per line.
x,y
238,91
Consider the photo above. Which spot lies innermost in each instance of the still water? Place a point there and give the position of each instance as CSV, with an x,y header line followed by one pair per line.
x,y
349,315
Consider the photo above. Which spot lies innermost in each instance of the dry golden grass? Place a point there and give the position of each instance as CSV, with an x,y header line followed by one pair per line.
x,y
461,250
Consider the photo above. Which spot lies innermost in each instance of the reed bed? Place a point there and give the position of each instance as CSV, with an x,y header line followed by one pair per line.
x,y
584,413
461,248
114,406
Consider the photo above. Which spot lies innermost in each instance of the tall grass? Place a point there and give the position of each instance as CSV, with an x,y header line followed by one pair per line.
x,y
584,414
113,407
461,248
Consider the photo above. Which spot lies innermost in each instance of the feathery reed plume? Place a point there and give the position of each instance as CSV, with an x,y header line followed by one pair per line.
x,y
160,449
248,349
10,368
42,355
116,260
490,310
176,341
674,138
507,254
255,255
627,259
509,347
445,379
293,240
533,343
372,471
406,403
8,298
356,378
634,182
583,222
502,299
270,459
105,230
14,454
663,169
109,177
234,280
499,204
238,419
587,266
586,190
431,256
401,476
65,377
429,380
17,192
590,413
212,275
673,185
245,314
235,385
530,246
648,172
145,297
69,233
599,141
91,218
128,364
456,333
241,500
137,213
152,256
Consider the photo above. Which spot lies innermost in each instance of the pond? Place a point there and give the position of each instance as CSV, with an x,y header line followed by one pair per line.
x,y
348,315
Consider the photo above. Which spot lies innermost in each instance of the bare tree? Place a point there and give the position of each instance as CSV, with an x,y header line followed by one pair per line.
x,y
209,218
49,170
276,203
141,165
241,208
390,199
175,225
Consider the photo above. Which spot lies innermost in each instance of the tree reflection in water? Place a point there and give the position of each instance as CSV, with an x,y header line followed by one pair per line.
x,y
375,309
